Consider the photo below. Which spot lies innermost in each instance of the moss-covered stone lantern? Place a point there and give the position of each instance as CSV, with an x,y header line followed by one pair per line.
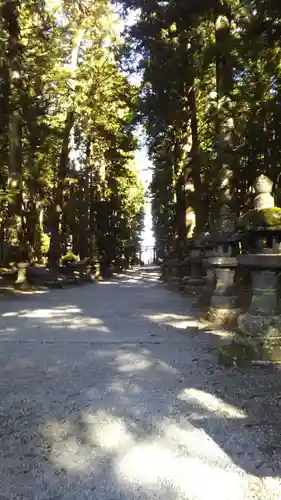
x,y
259,327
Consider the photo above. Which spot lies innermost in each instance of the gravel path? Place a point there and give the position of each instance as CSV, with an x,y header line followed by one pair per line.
x,y
111,392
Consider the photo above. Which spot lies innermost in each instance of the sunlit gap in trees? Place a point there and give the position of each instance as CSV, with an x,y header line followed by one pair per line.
x,y
145,171
120,21
144,166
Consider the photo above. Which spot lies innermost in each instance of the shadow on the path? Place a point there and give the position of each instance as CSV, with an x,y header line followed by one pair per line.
x,y
153,412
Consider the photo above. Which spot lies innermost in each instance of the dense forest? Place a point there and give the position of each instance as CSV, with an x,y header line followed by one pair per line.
x,y
210,103
68,181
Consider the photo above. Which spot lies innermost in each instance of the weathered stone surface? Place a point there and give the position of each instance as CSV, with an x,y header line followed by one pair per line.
x,y
259,328
21,279
220,316
223,303
243,354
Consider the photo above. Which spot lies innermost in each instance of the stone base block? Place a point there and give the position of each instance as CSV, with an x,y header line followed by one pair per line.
x,y
194,286
239,354
203,300
258,340
223,301
182,284
221,316
256,329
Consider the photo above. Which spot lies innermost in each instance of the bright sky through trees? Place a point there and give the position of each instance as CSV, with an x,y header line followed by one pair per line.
x,y
142,161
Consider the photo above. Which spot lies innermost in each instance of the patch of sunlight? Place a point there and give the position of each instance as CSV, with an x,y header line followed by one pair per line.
x,y
211,403
76,447
167,368
121,387
131,362
195,441
49,313
109,283
83,322
110,433
272,487
175,320
224,334
70,317
8,330
153,464
66,450
133,280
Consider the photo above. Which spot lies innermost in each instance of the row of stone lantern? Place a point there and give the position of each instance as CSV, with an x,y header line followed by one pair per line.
x,y
213,265
258,324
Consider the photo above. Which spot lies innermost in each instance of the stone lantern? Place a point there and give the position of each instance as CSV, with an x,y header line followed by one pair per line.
x,y
196,278
203,299
222,309
185,266
259,327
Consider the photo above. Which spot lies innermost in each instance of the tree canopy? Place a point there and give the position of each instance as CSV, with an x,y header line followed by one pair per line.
x,y
210,103
68,180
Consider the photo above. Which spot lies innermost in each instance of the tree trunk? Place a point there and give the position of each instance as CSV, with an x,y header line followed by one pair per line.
x,y
180,206
83,214
55,246
224,83
15,185
199,203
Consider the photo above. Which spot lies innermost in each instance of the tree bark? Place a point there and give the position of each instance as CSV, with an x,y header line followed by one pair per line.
x,y
15,181
199,204
224,83
55,246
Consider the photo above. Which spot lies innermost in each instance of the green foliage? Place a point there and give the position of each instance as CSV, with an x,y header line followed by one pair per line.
x,y
210,103
44,244
267,218
66,131
69,258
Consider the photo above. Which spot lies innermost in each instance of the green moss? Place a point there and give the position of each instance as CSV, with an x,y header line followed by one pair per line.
x,y
268,218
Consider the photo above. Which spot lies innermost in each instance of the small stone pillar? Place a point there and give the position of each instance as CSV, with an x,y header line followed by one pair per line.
x,y
210,280
21,280
170,270
222,309
196,279
258,337
185,267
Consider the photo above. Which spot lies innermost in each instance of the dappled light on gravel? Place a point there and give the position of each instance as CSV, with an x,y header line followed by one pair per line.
x,y
102,396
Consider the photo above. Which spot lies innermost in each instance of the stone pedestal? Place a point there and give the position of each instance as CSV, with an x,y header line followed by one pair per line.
x,y
185,270
222,305
203,300
21,280
259,329
222,309
170,270
209,286
174,278
195,281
